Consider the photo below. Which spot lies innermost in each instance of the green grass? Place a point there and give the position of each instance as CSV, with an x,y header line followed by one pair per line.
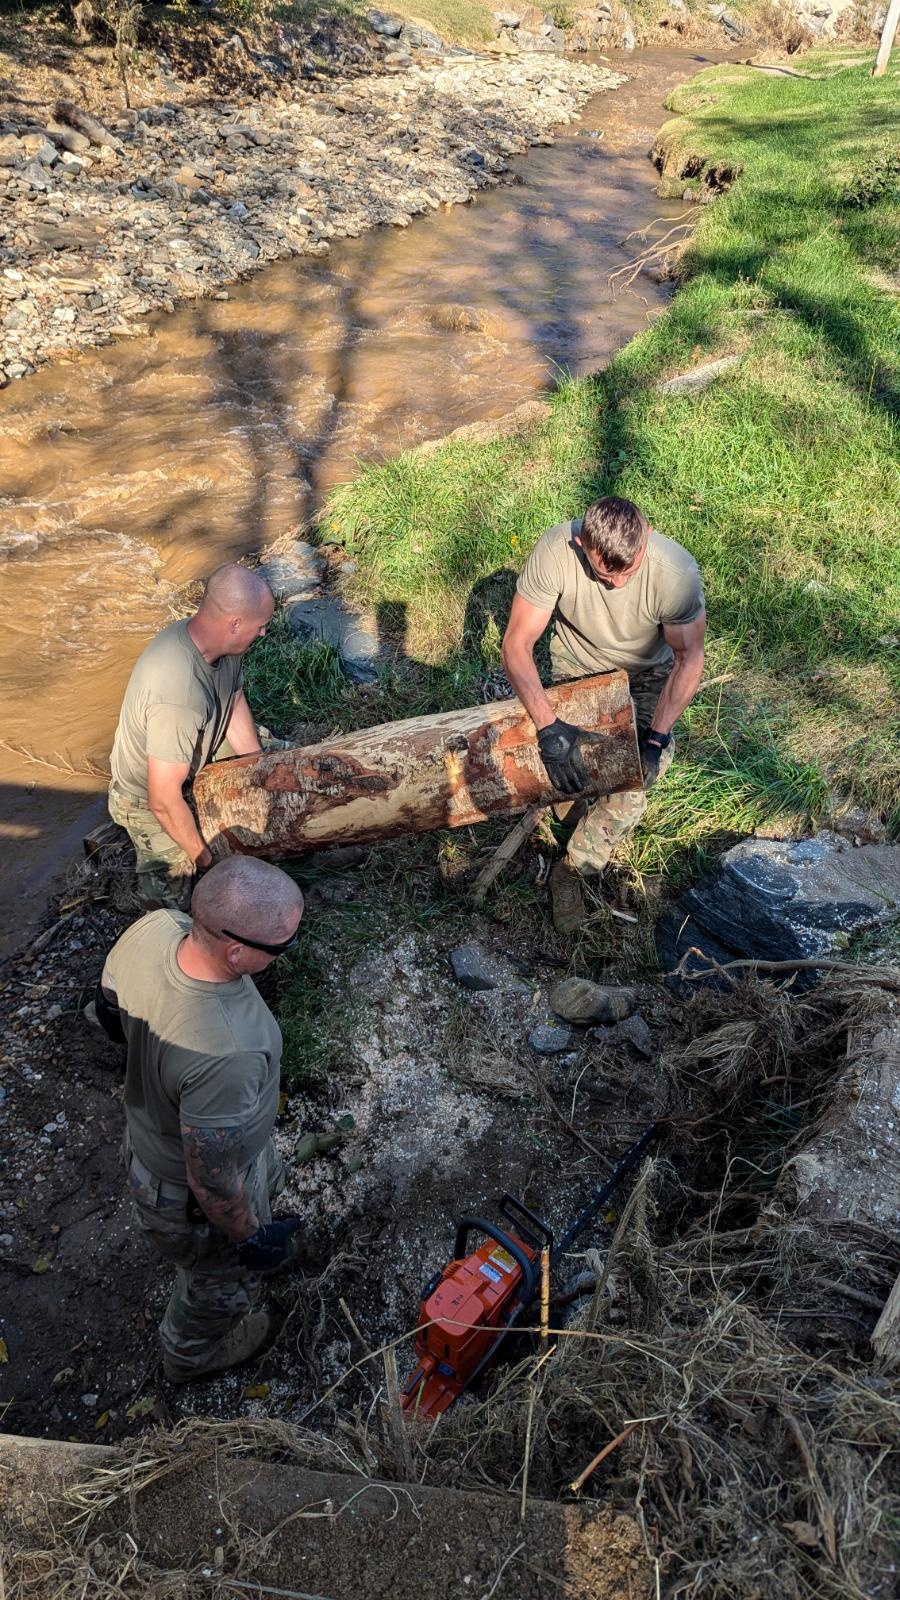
x,y
783,479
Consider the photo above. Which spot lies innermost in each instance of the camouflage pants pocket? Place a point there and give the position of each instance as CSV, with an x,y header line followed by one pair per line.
x,y
609,822
212,1290
165,875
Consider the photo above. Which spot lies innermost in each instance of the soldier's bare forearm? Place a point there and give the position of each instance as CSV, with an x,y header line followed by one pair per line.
x,y
679,691
215,1179
177,820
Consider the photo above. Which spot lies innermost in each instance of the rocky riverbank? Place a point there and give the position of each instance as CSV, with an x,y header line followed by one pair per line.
x,y
107,219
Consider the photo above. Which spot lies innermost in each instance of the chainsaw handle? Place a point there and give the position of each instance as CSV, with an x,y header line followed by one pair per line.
x,y
467,1225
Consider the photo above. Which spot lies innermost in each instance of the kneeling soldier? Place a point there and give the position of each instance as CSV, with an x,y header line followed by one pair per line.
x,y
623,596
201,1098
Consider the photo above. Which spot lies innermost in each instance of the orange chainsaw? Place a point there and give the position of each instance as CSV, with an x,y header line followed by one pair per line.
x,y
473,1304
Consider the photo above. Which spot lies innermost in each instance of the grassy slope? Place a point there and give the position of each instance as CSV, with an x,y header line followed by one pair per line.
x,y
782,478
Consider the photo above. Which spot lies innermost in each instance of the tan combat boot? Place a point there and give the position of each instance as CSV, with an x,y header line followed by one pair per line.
x,y
245,1338
566,898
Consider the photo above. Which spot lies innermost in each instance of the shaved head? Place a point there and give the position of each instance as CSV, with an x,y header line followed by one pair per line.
x,y
248,897
234,591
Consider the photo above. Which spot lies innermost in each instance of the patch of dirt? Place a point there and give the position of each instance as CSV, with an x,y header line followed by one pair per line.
x,y
431,1139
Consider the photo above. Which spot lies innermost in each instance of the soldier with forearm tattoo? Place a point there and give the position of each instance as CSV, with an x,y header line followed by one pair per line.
x,y
201,1097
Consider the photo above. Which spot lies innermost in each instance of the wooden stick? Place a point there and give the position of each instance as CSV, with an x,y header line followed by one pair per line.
x,y
504,852
353,1324
601,1455
395,1415
545,1294
879,975
886,1333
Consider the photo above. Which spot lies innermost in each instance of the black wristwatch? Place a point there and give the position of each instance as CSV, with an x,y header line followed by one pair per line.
x,y
662,739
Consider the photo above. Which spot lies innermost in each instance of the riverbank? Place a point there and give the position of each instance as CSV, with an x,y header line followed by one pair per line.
x,y
190,191
778,471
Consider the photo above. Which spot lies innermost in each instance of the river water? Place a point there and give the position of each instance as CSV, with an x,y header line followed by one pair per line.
x,y
131,469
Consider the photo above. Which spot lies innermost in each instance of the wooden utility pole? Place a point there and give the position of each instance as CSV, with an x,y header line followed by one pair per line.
x,y
887,39
444,771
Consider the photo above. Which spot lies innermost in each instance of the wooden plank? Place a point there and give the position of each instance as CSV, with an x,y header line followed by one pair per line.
x,y
445,771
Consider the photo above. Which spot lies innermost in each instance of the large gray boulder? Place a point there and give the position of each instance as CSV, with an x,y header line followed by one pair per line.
x,y
382,22
415,37
783,900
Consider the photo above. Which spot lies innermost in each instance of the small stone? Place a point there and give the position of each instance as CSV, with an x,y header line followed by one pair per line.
x,y
11,150
634,1031
238,211
478,969
549,1039
579,1000
35,175
89,1400
38,147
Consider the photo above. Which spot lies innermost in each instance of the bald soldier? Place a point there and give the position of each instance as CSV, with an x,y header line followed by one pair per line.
x,y
201,1098
621,596
184,704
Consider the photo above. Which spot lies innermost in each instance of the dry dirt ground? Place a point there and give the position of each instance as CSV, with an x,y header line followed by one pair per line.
x,y
448,1113
730,1325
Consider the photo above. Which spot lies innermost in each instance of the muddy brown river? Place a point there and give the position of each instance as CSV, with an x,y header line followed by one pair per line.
x,y
137,467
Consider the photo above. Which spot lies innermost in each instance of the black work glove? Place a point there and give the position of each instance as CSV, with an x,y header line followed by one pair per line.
x,y
561,756
270,1246
651,745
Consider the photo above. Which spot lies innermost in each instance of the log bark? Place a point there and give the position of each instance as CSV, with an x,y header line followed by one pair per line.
x,y
445,771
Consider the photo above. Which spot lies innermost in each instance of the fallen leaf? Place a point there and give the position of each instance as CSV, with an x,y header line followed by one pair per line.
x,y
282,1103
256,1391
803,1533
43,1263
63,1376
4,1354
102,1420
141,1408
306,1147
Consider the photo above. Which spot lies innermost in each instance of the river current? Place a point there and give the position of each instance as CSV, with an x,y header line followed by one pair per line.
x,y
129,470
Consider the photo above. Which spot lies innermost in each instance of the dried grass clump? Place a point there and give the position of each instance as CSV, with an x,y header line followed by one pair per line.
x,y
752,1467
74,1547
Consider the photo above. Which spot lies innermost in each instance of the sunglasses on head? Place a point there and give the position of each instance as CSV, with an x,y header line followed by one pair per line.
x,y
257,944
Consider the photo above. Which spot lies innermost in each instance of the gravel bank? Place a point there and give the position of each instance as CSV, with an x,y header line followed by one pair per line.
x,y
171,201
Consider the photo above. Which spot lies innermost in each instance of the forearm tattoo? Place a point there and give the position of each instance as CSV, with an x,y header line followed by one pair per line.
x,y
210,1156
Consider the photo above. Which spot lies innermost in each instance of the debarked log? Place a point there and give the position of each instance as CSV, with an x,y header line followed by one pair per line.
x,y
444,771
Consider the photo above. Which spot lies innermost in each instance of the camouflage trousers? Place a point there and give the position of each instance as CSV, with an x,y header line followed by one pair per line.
x,y
613,817
212,1290
165,875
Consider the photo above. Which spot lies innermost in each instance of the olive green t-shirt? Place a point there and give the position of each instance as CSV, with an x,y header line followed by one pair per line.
x,y
177,707
598,629
202,1053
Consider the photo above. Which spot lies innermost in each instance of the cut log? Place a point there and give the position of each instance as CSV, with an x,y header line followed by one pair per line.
x,y
445,771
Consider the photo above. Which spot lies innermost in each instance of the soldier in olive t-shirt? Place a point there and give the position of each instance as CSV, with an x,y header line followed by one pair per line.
x,y
201,1097
621,596
184,700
